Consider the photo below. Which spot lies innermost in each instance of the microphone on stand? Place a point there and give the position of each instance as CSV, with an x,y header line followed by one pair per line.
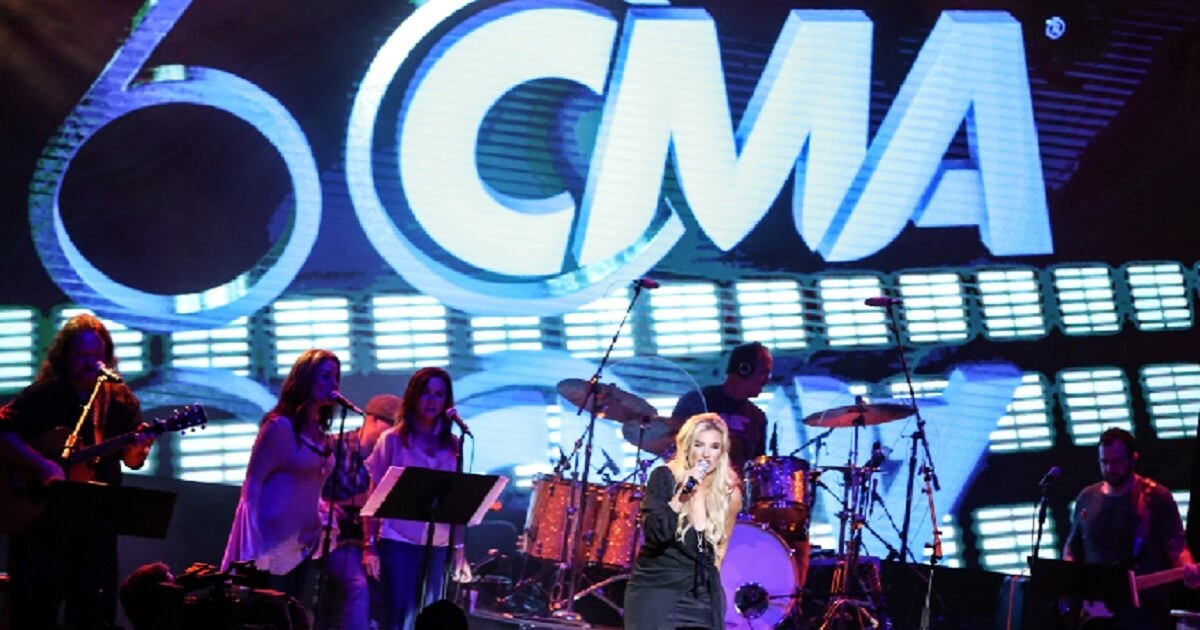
x,y
877,456
646,283
452,413
345,402
883,301
609,464
1050,476
564,462
108,373
775,440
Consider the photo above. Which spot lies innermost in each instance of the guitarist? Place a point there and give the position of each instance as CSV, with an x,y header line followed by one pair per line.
x,y
1130,521
74,560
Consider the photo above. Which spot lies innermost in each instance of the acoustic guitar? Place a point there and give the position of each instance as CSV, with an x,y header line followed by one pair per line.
x,y
22,498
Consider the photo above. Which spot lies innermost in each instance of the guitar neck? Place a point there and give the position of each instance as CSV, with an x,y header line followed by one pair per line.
x,y
107,447
1150,580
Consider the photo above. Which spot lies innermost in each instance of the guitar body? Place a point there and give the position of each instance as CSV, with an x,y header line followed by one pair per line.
x,y
23,499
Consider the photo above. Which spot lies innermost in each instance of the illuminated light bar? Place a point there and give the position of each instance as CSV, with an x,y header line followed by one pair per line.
x,y
1086,301
408,331
130,345
771,311
1172,395
226,348
1004,536
589,330
496,334
217,455
18,347
302,324
1012,303
1026,424
1160,296
1094,399
848,321
686,319
934,307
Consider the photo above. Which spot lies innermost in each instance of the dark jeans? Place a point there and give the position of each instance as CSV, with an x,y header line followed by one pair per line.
x,y
400,567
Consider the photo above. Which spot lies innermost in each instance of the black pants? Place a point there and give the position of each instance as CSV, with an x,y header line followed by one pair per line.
x,y
48,568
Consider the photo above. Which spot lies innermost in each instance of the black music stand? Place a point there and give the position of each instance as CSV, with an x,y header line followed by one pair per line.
x,y
1056,579
432,496
128,510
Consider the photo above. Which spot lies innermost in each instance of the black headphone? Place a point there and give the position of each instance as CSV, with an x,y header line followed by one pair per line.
x,y
745,368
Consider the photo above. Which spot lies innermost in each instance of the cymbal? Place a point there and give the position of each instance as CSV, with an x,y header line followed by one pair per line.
x,y
864,414
658,437
612,402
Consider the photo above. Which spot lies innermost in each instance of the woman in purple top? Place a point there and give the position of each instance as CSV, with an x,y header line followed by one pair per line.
x,y
277,523
395,549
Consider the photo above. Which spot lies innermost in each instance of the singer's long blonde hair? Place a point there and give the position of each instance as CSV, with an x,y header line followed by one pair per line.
x,y
723,500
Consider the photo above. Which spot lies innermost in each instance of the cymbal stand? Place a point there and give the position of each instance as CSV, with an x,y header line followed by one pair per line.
x,y
842,606
565,609
918,440
935,547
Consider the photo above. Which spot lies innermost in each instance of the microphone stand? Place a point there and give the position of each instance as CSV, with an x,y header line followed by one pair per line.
x,y
1041,522
326,539
589,434
918,438
73,438
450,563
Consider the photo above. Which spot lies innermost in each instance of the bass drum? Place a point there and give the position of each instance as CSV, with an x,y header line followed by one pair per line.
x,y
761,579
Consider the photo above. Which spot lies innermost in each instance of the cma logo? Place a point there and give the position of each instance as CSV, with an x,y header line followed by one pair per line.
x,y
658,72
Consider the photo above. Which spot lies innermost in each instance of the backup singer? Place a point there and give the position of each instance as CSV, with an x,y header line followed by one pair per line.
x,y
395,549
277,524
676,582
49,564
1130,521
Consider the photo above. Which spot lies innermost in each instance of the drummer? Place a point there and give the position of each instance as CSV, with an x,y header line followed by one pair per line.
x,y
747,373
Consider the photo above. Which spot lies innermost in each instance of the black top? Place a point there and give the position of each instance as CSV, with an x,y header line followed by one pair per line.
x,y
44,406
1103,531
747,423
669,569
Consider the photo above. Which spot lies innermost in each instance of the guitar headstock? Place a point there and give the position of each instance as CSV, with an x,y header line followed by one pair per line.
x,y
190,417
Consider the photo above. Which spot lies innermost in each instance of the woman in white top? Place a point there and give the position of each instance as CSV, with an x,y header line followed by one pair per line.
x,y
276,523
395,549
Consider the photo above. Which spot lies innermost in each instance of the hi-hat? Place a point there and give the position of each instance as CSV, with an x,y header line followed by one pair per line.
x,y
858,415
612,402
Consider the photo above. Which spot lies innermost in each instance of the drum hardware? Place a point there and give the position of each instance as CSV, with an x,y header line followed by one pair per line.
x,y
600,400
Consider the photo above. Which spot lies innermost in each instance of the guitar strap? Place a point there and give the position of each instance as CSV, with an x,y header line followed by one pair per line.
x,y
99,413
1143,486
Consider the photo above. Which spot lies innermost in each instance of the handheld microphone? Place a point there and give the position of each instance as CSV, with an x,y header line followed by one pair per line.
x,y
691,482
108,373
345,403
882,300
452,413
646,283
1050,475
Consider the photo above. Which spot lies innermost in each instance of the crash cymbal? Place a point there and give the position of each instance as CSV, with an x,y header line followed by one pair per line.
x,y
861,414
658,437
612,402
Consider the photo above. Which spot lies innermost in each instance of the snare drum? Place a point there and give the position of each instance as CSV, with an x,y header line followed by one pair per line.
x,y
760,578
617,535
777,493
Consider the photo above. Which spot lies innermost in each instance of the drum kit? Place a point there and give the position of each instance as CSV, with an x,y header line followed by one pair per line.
x,y
766,563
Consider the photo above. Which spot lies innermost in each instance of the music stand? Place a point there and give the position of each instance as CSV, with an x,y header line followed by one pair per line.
x,y
1077,581
432,496
130,510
